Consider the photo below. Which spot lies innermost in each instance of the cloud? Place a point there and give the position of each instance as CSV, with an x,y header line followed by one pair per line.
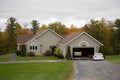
x,y
75,12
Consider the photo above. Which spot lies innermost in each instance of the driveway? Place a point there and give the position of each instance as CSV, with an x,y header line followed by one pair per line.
x,y
96,70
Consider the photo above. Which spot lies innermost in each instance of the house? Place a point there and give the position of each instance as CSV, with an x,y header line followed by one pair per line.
x,y
81,43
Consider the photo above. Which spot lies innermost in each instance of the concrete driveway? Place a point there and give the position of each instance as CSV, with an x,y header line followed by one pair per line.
x,y
96,70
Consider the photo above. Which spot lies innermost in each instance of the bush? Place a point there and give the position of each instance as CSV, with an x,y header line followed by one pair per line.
x,y
23,51
48,53
18,52
53,49
68,54
60,56
57,52
31,54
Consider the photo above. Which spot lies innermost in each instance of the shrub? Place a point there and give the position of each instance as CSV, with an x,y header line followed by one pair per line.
x,y
23,51
57,51
53,49
68,54
18,52
60,56
48,53
31,54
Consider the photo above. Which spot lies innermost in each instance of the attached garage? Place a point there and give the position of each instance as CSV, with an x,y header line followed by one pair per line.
x,y
82,45
83,52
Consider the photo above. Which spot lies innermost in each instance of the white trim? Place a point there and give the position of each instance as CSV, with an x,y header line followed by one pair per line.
x,y
80,35
83,42
33,44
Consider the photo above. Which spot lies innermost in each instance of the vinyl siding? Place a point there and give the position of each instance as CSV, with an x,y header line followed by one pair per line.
x,y
83,37
46,40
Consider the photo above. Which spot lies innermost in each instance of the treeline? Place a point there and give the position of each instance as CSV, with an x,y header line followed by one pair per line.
x,y
107,32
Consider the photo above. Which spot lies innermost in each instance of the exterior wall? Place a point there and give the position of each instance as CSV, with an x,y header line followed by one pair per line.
x,y
35,51
46,40
63,49
83,38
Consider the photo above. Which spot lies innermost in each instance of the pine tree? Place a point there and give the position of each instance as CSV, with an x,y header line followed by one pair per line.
x,y
68,54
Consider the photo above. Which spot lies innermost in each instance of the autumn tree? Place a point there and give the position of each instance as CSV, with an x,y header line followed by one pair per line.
x,y
58,27
102,32
35,26
18,29
1,42
43,27
73,28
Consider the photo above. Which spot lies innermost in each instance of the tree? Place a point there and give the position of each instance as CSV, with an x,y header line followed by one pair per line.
x,y
58,27
35,26
43,27
18,29
11,36
23,51
101,30
73,28
116,37
68,54
1,46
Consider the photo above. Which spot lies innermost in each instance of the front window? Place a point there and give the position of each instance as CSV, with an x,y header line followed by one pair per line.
x,y
33,46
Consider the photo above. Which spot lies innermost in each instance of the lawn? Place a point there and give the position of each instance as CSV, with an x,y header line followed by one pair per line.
x,y
19,58
37,71
6,57
114,58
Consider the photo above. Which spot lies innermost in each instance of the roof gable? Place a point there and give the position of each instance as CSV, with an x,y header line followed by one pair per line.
x,y
74,36
41,33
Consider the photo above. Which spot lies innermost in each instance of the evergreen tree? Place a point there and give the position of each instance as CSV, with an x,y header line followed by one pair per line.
x,y
11,36
23,51
68,54
35,26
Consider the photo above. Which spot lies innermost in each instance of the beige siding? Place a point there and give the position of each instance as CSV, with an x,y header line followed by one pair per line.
x,y
63,50
84,37
35,51
46,40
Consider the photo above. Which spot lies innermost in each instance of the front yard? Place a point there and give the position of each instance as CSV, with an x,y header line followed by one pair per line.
x,y
7,57
37,71
114,58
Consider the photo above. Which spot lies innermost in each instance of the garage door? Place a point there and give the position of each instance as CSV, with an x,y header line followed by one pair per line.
x,y
83,51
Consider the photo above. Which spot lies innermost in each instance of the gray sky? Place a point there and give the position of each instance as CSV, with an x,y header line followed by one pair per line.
x,y
77,12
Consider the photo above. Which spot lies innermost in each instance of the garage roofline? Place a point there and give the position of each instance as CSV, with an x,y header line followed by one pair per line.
x,y
80,35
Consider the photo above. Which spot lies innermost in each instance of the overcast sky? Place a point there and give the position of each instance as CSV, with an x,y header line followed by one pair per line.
x,y
77,12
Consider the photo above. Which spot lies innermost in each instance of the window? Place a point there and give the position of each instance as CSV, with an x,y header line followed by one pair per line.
x,y
33,46
30,47
36,47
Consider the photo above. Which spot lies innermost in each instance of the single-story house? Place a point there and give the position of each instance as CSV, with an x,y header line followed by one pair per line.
x,y
81,43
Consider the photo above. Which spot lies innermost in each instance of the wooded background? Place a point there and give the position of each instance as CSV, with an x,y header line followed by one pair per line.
x,y
107,32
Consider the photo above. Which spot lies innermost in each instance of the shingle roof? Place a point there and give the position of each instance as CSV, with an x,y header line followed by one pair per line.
x,y
73,36
22,38
69,37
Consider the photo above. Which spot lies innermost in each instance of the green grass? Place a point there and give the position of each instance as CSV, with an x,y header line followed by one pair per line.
x,y
37,71
6,57
19,58
114,58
